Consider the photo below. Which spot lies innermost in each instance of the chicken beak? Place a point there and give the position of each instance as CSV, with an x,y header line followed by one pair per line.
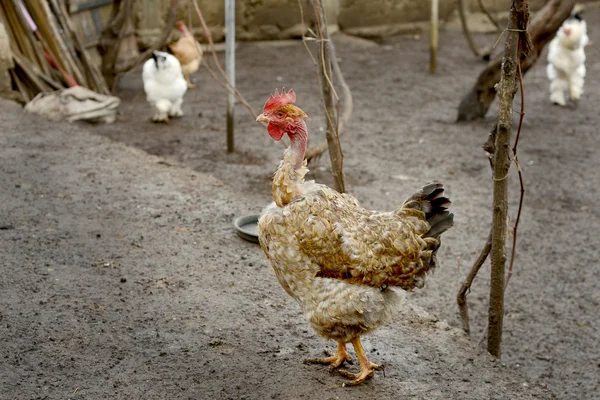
x,y
262,118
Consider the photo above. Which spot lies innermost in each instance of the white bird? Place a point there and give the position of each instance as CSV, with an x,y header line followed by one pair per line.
x,y
566,60
164,85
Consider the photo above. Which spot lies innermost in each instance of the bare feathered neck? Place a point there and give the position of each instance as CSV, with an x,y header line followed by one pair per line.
x,y
289,178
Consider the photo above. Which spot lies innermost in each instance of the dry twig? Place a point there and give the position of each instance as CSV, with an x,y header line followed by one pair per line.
x,y
461,298
225,81
326,58
520,172
435,8
488,15
346,109
467,32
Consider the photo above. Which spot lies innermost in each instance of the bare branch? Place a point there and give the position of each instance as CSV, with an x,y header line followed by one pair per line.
x,y
346,113
329,94
522,185
467,32
461,297
507,89
433,47
211,44
488,15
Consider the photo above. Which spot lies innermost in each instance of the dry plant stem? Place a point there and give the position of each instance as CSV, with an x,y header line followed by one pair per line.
x,y
507,89
347,106
304,38
488,15
463,21
520,172
328,93
475,104
461,298
211,44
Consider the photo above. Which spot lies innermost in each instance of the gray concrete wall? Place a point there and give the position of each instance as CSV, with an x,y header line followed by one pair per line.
x,y
280,19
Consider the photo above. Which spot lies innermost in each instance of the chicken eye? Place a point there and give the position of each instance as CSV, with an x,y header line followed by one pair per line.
x,y
279,114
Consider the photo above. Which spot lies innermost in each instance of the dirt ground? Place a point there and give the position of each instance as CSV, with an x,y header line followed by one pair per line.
x,y
123,277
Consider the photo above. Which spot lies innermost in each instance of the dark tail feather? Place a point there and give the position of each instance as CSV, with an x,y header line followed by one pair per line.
x,y
440,223
431,200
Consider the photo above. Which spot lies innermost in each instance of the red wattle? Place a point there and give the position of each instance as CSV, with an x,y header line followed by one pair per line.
x,y
275,131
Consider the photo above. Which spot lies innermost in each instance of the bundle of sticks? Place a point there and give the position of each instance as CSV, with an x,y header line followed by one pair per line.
x,y
48,52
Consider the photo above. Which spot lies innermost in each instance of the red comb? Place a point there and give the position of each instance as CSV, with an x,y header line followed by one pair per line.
x,y
180,25
279,99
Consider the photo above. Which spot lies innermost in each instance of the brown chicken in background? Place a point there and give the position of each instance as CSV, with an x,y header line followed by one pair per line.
x,y
335,258
188,51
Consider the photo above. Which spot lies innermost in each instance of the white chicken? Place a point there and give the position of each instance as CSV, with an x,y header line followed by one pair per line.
x,y
164,85
566,58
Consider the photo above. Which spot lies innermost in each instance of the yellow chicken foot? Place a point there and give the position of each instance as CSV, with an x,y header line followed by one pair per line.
x,y
335,360
366,367
190,85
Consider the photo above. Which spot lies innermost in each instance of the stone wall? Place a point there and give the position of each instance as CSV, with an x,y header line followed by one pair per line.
x,y
280,19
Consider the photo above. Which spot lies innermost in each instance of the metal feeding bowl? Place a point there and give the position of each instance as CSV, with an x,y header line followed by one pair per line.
x,y
247,227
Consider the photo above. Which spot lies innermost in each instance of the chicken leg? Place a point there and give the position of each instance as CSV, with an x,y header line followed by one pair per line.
x,y
335,360
366,367
190,85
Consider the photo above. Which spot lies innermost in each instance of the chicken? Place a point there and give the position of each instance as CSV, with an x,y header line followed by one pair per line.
x,y
335,258
566,58
164,85
188,51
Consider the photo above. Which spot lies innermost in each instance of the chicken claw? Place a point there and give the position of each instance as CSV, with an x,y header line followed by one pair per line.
x,y
367,368
335,360
362,376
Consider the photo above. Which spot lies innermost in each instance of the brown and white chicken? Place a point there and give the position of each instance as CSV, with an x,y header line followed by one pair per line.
x,y
335,258
188,51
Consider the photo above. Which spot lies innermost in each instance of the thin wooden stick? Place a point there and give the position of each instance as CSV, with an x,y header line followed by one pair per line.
x,y
20,86
63,21
466,31
329,95
31,47
63,54
461,297
507,88
435,7
42,82
488,15
342,118
218,65
521,183
96,76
